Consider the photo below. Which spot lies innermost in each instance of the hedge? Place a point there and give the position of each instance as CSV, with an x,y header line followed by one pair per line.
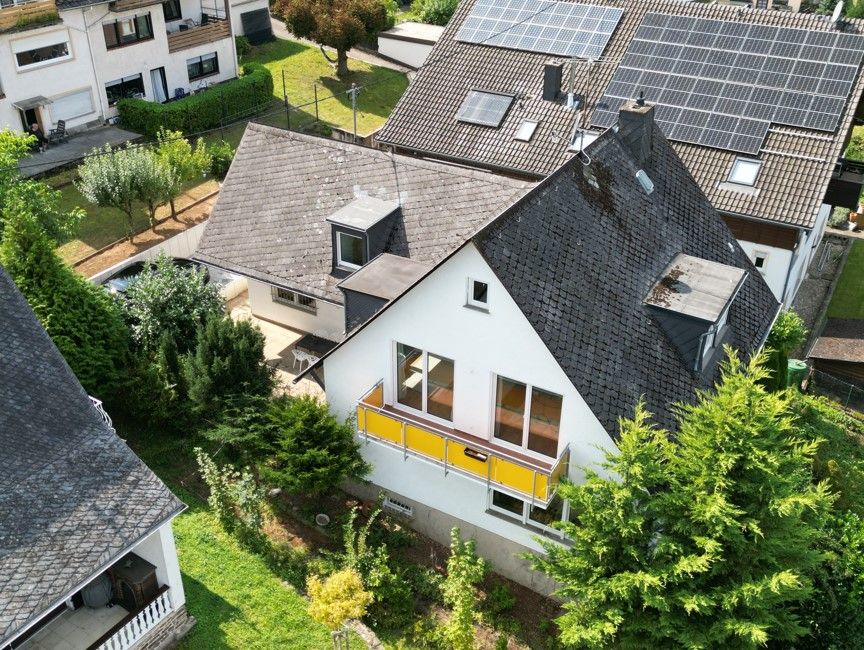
x,y
206,110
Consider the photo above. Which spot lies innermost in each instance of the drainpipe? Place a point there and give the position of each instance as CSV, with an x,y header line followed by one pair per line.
x,y
98,88
233,41
791,266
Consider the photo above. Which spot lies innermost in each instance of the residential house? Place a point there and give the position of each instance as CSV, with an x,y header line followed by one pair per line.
x,y
509,364
73,60
758,104
297,215
87,556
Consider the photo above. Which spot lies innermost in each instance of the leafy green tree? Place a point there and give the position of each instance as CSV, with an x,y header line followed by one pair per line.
x,y
107,178
13,147
340,24
184,162
464,571
788,333
435,12
228,362
155,181
169,299
710,539
243,428
310,450
85,325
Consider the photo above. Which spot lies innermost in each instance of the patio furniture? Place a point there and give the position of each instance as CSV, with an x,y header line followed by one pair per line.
x,y
179,93
302,357
58,134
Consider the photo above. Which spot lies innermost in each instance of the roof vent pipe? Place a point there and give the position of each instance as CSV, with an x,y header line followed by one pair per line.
x,y
552,72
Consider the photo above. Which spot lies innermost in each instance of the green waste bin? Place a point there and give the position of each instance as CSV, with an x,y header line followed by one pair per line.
x,y
796,371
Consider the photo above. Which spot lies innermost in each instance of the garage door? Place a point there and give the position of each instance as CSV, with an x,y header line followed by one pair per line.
x,y
256,25
71,106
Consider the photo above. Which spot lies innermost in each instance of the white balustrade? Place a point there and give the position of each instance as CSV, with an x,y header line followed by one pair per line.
x,y
141,624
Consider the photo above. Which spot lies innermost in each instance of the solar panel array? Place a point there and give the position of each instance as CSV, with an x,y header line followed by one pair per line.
x,y
486,109
562,28
721,84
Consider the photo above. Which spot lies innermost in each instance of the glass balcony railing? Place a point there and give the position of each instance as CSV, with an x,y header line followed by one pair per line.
x,y
510,472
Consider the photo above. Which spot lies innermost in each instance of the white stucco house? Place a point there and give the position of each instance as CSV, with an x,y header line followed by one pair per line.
x,y
87,554
72,60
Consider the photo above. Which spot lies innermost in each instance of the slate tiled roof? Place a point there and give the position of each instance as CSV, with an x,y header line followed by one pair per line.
x,y
270,220
603,249
797,163
73,496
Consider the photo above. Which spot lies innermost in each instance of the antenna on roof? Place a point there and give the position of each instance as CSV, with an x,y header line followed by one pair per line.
x,y
640,101
837,15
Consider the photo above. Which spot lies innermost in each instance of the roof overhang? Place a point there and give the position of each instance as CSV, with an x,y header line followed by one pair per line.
x,y
33,102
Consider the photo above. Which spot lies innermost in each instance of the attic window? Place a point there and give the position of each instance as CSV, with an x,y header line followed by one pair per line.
x,y
349,250
478,294
526,130
744,171
484,108
582,139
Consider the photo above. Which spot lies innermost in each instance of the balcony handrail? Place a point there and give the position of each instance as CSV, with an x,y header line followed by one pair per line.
x,y
133,628
381,410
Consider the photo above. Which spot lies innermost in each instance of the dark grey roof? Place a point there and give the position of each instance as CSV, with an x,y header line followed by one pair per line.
x,y
270,222
797,163
386,276
603,248
73,496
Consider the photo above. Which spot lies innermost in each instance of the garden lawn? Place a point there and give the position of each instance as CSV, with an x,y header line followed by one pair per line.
x,y
848,298
304,67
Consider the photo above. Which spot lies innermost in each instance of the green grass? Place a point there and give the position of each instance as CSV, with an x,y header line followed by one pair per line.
x,y
848,298
305,67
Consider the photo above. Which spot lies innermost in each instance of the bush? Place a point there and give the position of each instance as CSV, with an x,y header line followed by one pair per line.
x,y
336,600
788,332
243,45
205,110
839,217
436,12
221,155
464,570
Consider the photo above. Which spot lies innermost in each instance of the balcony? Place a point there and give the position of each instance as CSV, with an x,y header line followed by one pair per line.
x,y
497,467
19,14
210,30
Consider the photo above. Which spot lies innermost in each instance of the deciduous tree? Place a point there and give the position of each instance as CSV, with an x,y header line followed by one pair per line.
x,y
107,179
184,162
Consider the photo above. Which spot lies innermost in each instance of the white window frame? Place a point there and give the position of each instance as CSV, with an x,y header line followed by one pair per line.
x,y
764,256
398,506
526,419
41,64
525,131
339,261
747,164
293,302
469,298
425,369
525,518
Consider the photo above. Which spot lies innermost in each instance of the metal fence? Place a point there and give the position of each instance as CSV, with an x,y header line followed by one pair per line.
x,y
849,395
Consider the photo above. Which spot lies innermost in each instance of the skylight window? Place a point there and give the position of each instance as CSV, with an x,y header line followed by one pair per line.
x,y
484,108
744,171
526,130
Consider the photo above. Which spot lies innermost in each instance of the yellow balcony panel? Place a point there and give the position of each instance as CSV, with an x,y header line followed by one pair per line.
x,y
521,475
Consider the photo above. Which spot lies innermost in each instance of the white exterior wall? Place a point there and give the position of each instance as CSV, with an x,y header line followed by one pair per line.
x,y
159,549
408,52
239,8
776,264
432,317
327,322
50,78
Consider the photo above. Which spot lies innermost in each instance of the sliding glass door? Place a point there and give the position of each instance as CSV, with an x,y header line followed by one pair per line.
x,y
424,381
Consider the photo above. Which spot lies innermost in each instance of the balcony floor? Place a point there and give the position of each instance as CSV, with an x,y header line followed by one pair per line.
x,y
77,629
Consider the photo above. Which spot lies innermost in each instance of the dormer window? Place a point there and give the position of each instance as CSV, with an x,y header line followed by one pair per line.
x,y
745,171
349,250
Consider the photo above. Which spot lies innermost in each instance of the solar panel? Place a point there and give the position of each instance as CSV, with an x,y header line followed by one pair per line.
x,y
562,28
484,108
729,81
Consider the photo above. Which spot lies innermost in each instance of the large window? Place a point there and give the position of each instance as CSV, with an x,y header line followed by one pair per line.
x,y
42,54
172,11
349,250
127,31
202,66
292,299
528,514
126,87
527,416
424,381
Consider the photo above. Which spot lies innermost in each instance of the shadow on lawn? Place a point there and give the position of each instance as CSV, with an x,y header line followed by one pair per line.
x,y
377,96
211,612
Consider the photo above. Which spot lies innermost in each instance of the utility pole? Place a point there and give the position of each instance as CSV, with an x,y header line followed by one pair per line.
x,y
315,87
353,92
285,99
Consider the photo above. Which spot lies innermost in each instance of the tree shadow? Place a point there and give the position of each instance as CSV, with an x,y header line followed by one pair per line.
x,y
211,612
380,90
275,50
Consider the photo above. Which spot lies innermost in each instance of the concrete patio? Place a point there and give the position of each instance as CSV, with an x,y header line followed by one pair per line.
x,y
74,149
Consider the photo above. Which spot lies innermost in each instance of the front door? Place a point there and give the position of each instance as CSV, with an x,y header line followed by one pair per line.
x,y
160,84
30,116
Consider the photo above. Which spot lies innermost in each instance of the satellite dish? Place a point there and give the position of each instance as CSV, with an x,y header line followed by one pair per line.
x,y
838,13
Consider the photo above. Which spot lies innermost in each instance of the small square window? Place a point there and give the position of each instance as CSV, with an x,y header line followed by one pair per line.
x,y
744,171
349,250
759,260
526,130
478,294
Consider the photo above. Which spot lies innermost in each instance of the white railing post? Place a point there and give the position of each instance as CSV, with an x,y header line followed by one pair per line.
x,y
140,624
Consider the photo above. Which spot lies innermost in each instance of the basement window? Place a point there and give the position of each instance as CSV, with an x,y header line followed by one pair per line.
x,y
293,299
744,171
526,130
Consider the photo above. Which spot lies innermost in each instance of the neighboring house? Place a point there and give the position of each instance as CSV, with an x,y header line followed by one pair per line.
x,y
758,104
87,556
839,351
509,364
409,43
72,60
297,215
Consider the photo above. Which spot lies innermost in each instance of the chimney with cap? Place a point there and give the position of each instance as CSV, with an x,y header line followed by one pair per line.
x,y
552,80
636,128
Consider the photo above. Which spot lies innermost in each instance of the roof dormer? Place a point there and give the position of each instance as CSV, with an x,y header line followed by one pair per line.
x,y
691,302
360,231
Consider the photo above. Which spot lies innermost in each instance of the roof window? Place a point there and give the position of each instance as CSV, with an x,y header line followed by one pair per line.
x,y
744,171
582,139
484,108
526,130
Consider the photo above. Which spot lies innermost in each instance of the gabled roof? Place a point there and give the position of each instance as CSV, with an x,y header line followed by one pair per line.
x,y
73,496
797,163
582,250
270,222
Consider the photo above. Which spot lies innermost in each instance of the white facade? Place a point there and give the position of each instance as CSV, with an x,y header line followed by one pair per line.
x,y
409,43
160,550
75,83
327,321
433,317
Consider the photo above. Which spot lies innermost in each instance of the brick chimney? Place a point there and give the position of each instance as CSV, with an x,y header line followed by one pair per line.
x,y
636,128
